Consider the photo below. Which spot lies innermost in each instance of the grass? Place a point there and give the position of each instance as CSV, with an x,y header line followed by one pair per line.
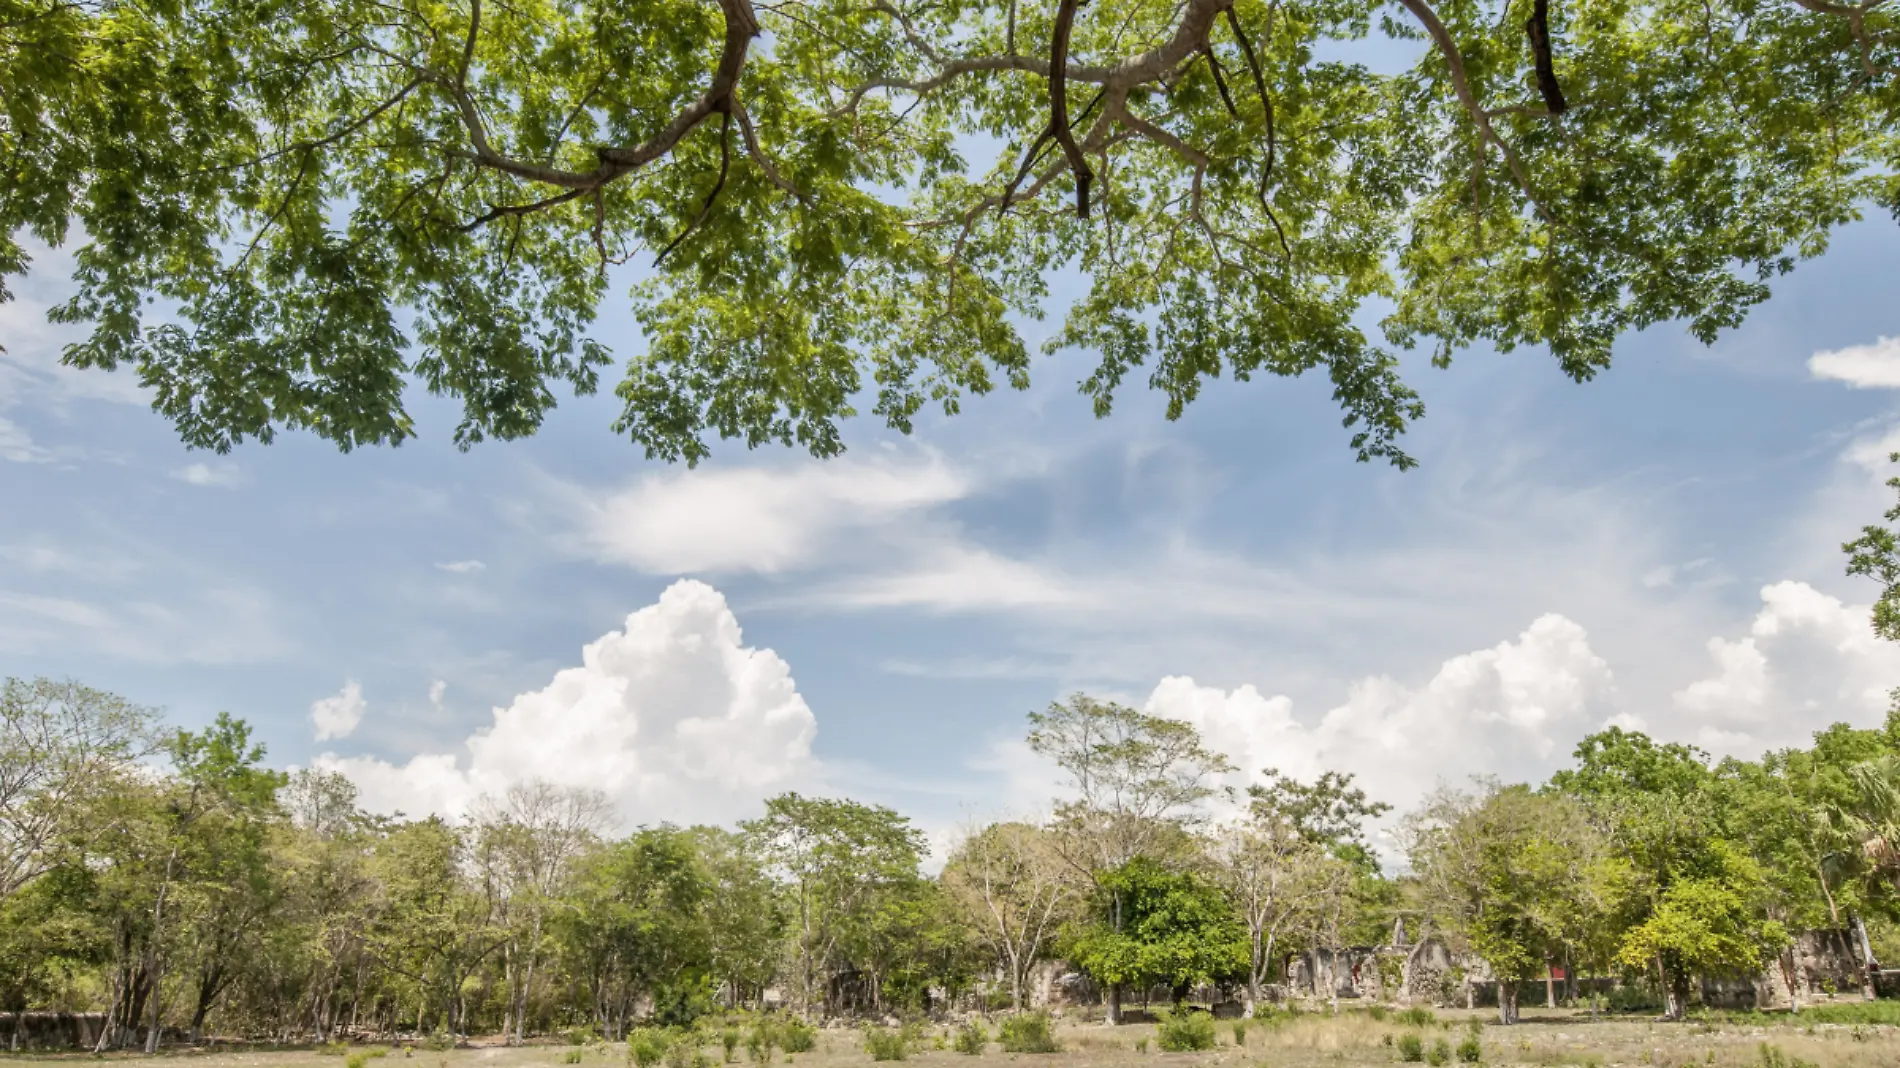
x,y
1547,1039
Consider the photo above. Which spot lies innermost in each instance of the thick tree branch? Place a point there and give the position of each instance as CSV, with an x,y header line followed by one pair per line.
x,y
725,163
1059,104
1461,84
1537,27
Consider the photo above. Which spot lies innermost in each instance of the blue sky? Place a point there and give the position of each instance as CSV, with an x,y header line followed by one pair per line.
x,y
1657,548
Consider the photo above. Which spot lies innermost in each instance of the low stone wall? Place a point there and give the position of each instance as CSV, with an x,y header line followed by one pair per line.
x,y
50,1030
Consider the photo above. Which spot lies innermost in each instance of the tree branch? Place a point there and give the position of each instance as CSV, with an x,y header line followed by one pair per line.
x,y
1059,104
1538,29
725,163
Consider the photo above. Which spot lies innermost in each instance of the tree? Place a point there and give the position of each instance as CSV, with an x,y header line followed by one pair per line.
x,y
1010,885
748,941
1138,780
1694,899
525,839
842,860
353,196
1508,871
1154,925
60,743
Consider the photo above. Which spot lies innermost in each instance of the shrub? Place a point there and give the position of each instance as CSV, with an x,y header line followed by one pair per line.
x,y
729,1038
441,1042
1181,1032
1417,1017
681,1051
1377,1012
1141,1044
884,1044
572,1056
971,1038
1470,1051
1439,1055
1411,1048
797,1036
334,1049
1240,1032
1027,1032
355,1060
646,1047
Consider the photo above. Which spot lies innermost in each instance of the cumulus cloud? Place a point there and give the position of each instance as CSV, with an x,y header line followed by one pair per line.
x,y
462,567
1873,366
436,690
1807,660
673,715
337,716
222,476
1514,708
761,519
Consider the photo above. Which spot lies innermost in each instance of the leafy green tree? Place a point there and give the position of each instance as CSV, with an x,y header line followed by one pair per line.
x,y
1153,925
1694,898
332,199
1138,781
748,941
843,862
1507,871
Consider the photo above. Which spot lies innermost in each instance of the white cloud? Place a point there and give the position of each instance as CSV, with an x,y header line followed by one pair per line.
x,y
16,445
338,715
1874,366
462,567
1513,709
436,690
222,476
1807,660
673,716
730,519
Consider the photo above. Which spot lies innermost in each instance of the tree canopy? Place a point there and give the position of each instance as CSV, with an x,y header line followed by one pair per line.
x,y
285,213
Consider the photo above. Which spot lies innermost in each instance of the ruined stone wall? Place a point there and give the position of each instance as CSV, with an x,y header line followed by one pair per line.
x,y
50,1030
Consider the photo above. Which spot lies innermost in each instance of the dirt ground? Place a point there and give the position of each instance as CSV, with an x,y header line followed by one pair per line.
x,y
1311,1041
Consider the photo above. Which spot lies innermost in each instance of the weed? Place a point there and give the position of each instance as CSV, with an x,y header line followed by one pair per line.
x,y
572,1056
797,1036
334,1049
1027,1032
1141,1044
355,1060
1439,1055
1240,1032
884,1044
646,1047
1470,1051
1386,1039
971,1038
729,1039
1180,1032
1417,1017
1377,1012
1411,1048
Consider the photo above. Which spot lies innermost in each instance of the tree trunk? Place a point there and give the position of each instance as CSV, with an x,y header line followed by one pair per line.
x,y
1507,1001
1787,963
1869,967
1675,991
1550,986
1114,1004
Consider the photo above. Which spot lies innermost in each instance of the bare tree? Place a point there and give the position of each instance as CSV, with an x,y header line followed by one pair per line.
x,y
525,839
1010,883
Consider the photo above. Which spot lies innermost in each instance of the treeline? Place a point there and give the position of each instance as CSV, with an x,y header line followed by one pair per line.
x,y
174,882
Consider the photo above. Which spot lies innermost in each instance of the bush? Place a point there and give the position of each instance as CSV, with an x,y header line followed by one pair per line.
x,y
1411,1048
797,1036
729,1038
1182,1032
441,1042
971,1038
646,1047
355,1060
681,1051
1141,1044
1470,1051
884,1044
572,1056
1440,1054
1027,1032
1377,1012
1417,1017
1240,1032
